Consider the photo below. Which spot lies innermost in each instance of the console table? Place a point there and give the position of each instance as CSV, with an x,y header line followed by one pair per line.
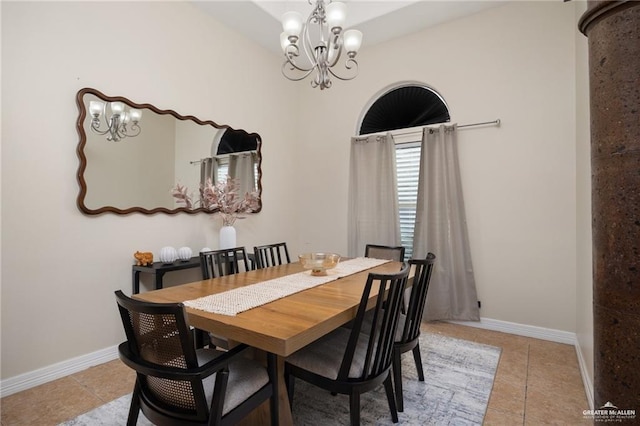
x,y
159,269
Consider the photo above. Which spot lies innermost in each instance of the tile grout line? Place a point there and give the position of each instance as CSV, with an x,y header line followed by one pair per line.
x,y
526,386
90,390
87,390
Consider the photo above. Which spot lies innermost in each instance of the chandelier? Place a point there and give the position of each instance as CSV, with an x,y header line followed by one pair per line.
x,y
322,42
119,123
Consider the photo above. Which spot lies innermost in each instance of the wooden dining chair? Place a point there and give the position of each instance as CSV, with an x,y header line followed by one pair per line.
x,y
384,252
179,385
218,263
271,255
354,361
408,332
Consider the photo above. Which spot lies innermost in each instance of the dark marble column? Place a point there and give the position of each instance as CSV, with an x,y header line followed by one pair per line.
x,y
613,30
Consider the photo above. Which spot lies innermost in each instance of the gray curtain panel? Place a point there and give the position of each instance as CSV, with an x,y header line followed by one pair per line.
x,y
241,168
373,216
207,170
441,228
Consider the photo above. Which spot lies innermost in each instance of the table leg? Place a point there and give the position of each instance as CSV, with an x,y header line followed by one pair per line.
x,y
286,418
260,416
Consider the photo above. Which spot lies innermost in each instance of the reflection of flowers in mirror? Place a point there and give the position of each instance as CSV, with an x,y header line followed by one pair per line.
x,y
222,196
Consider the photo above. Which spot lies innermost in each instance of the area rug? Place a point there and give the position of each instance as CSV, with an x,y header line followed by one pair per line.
x,y
458,380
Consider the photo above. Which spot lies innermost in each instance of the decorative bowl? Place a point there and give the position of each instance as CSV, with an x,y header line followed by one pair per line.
x,y
168,255
184,253
319,262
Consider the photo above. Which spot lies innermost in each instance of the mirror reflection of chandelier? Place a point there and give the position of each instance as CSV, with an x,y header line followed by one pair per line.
x,y
119,123
324,27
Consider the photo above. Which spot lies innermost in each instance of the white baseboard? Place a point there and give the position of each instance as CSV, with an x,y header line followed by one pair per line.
x,y
74,365
56,371
586,380
552,335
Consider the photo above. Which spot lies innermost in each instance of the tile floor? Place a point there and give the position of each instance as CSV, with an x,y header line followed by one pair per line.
x,y
537,383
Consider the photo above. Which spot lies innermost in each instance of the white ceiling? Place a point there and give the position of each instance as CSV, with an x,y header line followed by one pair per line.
x,y
379,20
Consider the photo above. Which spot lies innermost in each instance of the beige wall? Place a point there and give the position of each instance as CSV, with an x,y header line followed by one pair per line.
x,y
66,266
584,279
515,62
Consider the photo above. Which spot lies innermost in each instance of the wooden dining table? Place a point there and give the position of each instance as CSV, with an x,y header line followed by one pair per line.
x,y
280,327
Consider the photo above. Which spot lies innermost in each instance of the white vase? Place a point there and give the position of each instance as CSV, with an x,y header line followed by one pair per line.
x,y
227,237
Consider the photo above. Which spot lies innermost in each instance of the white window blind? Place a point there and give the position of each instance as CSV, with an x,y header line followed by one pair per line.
x,y
223,170
407,169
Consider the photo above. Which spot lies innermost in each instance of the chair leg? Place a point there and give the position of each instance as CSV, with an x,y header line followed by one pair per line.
x,y
354,409
397,379
418,359
134,408
388,387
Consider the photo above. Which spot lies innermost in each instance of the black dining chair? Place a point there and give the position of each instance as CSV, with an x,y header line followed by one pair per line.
x,y
355,361
408,332
271,255
377,251
384,252
218,263
179,385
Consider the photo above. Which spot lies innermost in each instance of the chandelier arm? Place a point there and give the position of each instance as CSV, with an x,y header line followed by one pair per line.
x,y
135,127
122,130
96,129
307,45
115,128
305,73
338,55
349,64
289,55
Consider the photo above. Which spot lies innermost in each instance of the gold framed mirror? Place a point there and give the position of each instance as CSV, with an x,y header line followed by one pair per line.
x,y
132,155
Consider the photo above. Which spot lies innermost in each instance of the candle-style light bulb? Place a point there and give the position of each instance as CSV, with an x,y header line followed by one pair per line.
x,y
135,115
117,108
95,108
352,41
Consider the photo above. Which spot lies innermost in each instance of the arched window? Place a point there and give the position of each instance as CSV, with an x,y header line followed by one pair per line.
x,y
404,106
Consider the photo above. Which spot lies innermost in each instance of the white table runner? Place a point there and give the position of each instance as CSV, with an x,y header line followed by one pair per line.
x,y
241,299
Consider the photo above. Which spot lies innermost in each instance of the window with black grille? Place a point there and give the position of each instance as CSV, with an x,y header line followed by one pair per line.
x,y
405,107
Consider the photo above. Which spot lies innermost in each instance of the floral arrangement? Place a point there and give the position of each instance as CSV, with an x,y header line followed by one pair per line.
x,y
222,196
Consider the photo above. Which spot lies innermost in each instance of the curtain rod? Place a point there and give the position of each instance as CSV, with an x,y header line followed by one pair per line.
x,y
224,156
495,122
